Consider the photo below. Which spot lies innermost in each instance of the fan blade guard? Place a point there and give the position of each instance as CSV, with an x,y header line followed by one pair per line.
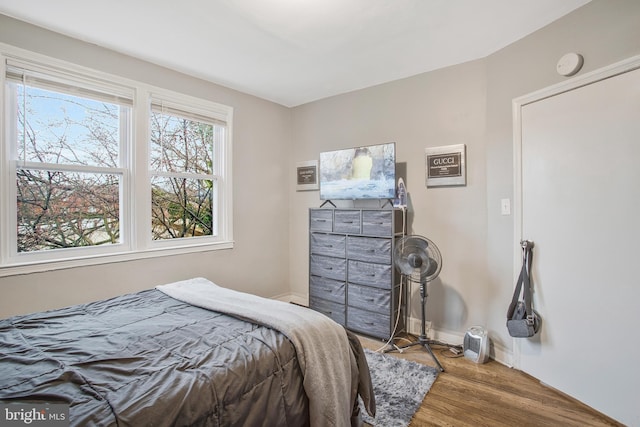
x,y
415,254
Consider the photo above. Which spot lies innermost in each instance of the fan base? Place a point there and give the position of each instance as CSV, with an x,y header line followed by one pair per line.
x,y
424,342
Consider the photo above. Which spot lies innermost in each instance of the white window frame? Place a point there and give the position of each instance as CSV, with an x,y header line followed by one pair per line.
x,y
135,237
208,112
49,77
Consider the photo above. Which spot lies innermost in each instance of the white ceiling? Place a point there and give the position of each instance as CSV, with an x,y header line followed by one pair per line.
x,y
296,51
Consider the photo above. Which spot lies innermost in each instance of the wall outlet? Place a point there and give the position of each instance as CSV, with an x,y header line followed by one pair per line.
x,y
415,325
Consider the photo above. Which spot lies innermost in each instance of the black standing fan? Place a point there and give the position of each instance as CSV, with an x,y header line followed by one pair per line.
x,y
418,259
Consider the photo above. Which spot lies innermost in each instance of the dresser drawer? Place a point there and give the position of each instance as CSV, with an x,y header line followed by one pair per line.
x,y
347,221
328,244
321,220
377,223
370,249
328,289
370,298
369,323
333,268
330,309
369,274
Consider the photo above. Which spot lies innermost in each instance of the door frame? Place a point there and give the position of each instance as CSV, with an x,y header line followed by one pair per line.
x,y
603,73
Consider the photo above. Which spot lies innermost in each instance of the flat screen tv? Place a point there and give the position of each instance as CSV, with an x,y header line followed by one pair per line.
x,y
367,172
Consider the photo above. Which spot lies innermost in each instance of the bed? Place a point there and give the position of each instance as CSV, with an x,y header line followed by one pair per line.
x,y
188,353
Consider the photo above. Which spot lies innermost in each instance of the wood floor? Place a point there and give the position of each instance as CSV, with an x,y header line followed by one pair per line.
x,y
491,394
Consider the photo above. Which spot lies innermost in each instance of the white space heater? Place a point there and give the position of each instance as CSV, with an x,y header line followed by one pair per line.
x,y
476,344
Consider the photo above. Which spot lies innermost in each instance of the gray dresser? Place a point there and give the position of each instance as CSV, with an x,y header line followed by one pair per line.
x,y
352,278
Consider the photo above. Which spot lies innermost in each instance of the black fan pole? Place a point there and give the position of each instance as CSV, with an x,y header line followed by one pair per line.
x,y
423,311
423,340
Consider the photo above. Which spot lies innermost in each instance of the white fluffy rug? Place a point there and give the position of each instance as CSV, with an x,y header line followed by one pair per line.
x,y
399,386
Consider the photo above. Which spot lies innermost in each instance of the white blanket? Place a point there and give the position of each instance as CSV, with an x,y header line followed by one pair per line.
x,y
321,345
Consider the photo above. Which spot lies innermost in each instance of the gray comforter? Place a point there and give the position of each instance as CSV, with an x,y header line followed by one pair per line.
x,y
148,359
328,365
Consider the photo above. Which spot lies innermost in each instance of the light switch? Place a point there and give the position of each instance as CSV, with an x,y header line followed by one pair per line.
x,y
505,206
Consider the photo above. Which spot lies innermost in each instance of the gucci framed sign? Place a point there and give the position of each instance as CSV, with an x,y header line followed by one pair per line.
x,y
446,166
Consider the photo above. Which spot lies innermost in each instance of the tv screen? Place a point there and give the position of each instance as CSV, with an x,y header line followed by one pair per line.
x,y
359,173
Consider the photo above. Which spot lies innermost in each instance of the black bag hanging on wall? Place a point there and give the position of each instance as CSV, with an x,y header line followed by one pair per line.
x,y
522,320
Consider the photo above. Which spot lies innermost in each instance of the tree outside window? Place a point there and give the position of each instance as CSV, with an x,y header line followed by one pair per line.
x,y
61,208
183,182
67,147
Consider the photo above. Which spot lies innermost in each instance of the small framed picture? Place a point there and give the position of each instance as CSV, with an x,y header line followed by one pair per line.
x,y
307,175
446,166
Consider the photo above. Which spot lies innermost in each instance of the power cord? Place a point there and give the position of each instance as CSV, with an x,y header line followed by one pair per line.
x,y
452,351
395,327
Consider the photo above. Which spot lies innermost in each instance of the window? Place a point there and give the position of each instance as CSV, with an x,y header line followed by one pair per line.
x,y
183,160
69,177
66,138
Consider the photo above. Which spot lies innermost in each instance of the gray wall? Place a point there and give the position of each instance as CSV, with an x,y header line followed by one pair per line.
x,y
259,262
439,108
468,103
604,32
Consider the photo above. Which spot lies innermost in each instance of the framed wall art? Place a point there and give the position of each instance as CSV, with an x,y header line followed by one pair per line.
x,y
307,175
446,166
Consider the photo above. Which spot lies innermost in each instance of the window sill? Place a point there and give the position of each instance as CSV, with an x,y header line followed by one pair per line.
x,y
39,267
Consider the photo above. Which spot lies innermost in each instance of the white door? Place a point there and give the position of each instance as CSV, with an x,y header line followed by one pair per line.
x,y
580,194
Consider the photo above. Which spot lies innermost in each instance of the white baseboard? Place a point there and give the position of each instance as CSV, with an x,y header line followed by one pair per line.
x,y
452,338
502,354
415,325
499,353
